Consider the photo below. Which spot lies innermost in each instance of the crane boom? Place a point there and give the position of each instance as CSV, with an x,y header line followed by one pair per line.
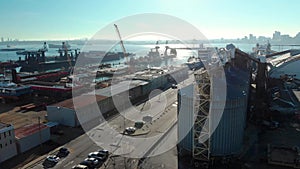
x,y
121,42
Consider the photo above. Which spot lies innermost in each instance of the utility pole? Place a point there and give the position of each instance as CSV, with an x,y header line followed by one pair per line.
x,y
40,134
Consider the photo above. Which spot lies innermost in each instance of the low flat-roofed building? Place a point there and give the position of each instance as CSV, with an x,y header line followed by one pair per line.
x,y
8,147
65,112
287,64
120,95
136,88
30,136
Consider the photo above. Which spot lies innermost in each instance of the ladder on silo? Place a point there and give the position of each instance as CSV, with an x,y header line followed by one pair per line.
x,y
201,129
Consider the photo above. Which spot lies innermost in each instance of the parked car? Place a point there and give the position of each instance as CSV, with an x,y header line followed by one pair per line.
x,y
63,152
174,86
53,159
104,152
50,161
139,124
98,156
130,130
79,166
89,164
93,160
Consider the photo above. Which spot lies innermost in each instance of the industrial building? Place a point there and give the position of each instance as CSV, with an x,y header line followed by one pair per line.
x,y
212,112
286,64
284,81
201,108
8,147
19,132
160,78
31,136
132,88
65,114
120,95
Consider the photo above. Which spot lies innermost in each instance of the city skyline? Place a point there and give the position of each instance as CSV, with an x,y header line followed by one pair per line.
x,y
277,36
56,20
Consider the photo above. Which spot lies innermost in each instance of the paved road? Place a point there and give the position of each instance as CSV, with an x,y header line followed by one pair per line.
x,y
167,159
163,108
107,136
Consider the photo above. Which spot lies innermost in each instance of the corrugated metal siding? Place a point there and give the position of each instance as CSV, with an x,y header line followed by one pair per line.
x,y
62,115
178,75
89,116
33,140
106,105
227,139
158,82
146,89
135,92
186,118
6,152
290,68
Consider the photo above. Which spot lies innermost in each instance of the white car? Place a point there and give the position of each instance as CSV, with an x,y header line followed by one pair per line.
x,y
97,155
103,151
53,158
130,130
93,160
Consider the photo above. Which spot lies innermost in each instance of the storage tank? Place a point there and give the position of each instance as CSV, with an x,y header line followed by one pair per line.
x,y
227,114
227,139
185,118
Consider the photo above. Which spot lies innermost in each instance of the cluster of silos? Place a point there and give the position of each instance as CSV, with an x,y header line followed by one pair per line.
x,y
227,138
226,121
185,118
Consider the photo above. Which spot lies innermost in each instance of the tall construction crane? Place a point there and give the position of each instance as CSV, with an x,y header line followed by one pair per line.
x,y
122,45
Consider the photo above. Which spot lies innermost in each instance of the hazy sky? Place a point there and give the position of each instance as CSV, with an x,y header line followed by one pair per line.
x,y
70,19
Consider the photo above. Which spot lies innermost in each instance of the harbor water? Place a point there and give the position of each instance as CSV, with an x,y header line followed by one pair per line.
x,y
139,49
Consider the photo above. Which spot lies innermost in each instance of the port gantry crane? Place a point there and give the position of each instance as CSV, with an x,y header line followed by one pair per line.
x,y
123,48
